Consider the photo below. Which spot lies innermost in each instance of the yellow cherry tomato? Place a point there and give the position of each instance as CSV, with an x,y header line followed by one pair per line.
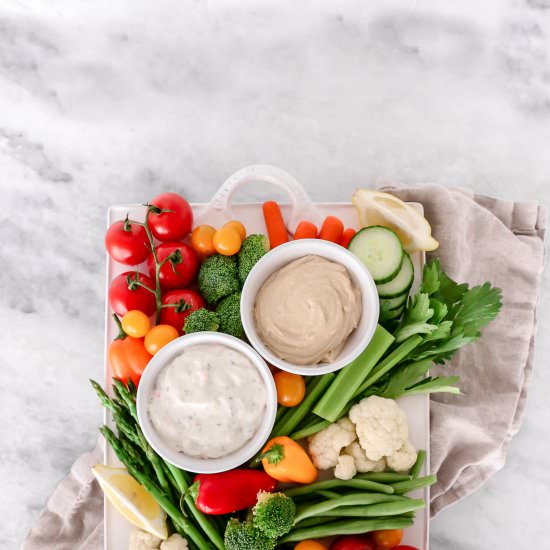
x,y
135,323
291,388
227,241
238,227
201,240
310,545
158,337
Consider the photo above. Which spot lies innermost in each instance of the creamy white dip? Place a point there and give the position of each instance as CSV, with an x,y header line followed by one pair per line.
x,y
208,402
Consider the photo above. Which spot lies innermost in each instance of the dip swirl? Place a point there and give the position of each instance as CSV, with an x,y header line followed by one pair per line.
x,y
305,311
208,402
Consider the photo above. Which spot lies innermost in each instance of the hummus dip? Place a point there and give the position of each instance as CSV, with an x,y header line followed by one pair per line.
x,y
305,311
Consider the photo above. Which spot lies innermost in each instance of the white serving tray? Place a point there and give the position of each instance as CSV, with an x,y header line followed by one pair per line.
x,y
217,212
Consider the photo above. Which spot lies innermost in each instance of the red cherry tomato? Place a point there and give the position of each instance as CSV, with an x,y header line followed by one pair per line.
x,y
127,242
125,294
175,223
177,272
353,542
128,358
184,302
387,538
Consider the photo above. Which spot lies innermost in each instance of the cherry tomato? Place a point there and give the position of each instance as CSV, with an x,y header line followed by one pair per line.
x,y
127,242
177,272
387,538
238,227
125,293
128,358
136,324
173,225
291,388
310,545
353,542
227,241
158,337
201,240
184,302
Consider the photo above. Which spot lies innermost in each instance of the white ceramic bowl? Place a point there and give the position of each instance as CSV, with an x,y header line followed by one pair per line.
x,y
147,386
282,255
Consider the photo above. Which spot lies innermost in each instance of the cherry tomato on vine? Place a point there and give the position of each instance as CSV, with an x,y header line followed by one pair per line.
x,y
310,545
179,270
387,539
158,337
127,242
238,227
175,223
227,241
201,240
291,388
353,542
183,302
135,323
125,293
128,358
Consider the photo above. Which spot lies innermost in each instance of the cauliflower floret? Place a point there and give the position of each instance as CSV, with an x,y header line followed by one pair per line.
x,y
141,540
381,426
174,542
325,446
362,463
403,459
345,467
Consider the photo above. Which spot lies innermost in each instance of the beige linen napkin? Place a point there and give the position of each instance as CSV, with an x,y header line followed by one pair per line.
x,y
481,239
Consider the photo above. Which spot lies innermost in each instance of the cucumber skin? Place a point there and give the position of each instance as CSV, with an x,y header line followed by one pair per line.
x,y
393,275
403,298
405,290
392,314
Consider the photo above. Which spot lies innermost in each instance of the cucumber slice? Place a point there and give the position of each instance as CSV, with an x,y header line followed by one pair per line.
x,y
401,283
380,249
390,315
393,303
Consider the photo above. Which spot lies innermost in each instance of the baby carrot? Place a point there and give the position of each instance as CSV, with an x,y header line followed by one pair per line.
x,y
305,230
274,223
347,235
331,229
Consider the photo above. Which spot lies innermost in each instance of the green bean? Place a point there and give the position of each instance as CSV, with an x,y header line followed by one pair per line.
x,y
402,487
346,527
417,467
310,429
316,509
319,520
364,484
376,510
328,494
384,477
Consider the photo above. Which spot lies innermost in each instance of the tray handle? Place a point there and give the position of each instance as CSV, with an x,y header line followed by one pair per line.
x,y
302,207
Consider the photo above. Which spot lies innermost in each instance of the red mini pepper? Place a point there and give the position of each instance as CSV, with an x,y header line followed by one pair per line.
x,y
230,491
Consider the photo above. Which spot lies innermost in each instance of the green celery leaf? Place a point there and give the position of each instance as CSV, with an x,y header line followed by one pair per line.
x,y
414,321
479,306
402,378
439,384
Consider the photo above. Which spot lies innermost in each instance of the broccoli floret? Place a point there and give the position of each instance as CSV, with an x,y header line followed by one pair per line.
x,y
273,514
244,536
218,277
252,249
229,313
200,320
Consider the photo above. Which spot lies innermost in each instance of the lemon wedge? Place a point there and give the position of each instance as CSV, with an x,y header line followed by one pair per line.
x,y
378,208
131,500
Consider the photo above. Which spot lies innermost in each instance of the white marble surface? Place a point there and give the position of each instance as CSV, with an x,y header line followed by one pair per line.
x,y
106,102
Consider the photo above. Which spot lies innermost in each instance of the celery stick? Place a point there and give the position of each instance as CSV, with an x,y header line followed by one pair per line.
x,y
350,378
395,357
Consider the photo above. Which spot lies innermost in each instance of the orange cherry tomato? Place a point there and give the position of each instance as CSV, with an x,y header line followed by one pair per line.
x,y
238,227
135,323
310,545
201,240
291,388
128,358
387,538
159,336
227,241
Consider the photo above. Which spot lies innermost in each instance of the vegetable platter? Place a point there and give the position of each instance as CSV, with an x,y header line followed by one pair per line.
x,y
349,356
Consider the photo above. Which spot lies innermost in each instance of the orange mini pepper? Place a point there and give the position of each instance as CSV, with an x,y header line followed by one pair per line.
x,y
284,460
